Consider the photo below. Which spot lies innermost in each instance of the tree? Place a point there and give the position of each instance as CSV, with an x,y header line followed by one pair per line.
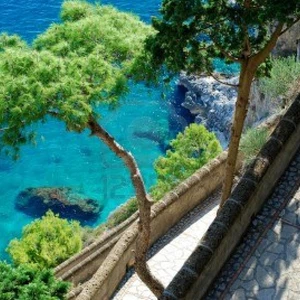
x,y
25,282
190,34
46,242
69,71
189,151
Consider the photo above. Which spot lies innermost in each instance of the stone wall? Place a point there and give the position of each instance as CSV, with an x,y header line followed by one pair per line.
x,y
199,271
165,214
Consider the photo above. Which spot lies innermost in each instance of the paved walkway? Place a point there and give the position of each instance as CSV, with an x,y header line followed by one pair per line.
x,y
266,265
169,253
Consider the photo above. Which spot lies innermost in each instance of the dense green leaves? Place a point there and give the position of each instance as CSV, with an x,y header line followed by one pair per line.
x,y
46,242
26,283
189,152
252,141
70,69
191,32
284,74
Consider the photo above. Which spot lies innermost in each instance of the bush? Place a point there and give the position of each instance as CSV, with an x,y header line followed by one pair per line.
x,y
122,213
284,74
90,234
46,242
75,10
252,141
189,151
26,283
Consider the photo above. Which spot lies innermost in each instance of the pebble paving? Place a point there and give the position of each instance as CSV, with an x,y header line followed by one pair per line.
x,y
169,253
266,264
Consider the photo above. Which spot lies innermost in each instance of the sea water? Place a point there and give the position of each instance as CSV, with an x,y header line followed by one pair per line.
x,y
79,161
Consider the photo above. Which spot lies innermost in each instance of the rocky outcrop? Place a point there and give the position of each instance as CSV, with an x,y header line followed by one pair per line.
x,y
62,200
212,103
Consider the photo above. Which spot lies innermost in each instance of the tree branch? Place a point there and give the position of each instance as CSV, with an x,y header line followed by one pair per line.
x,y
225,53
144,204
259,57
222,82
288,27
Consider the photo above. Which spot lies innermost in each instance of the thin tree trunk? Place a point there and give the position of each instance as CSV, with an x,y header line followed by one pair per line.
x,y
144,203
248,69
245,80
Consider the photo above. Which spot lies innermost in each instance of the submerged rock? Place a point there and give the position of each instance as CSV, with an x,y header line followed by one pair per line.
x,y
62,200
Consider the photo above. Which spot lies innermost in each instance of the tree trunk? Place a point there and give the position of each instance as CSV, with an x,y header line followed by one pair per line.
x,y
248,69
245,81
144,204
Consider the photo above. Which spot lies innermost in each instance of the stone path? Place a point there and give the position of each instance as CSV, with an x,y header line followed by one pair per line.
x,y
169,253
266,265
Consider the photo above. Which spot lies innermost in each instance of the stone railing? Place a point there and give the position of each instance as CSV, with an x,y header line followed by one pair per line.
x,y
203,265
165,214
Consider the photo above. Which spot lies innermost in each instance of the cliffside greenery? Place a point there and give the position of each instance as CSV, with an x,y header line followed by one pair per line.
x,y
24,282
189,151
191,34
284,76
252,141
69,71
46,242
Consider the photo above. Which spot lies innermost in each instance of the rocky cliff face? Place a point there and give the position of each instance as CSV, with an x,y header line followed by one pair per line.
x,y
212,104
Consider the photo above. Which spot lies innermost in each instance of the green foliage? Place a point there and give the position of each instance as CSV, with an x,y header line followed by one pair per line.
x,y
11,41
74,66
90,234
284,73
190,151
252,141
46,242
26,283
191,34
122,213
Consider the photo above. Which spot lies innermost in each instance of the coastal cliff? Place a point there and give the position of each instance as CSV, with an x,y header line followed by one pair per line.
x,y
212,103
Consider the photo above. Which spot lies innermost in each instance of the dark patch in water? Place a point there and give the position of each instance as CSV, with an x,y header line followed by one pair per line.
x,y
86,151
36,202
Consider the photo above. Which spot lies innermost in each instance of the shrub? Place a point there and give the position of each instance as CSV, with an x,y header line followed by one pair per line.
x,y
122,213
89,234
46,242
284,74
252,141
190,150
27,283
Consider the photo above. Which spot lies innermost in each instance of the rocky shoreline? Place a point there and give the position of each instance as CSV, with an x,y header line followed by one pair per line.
x,y
212,104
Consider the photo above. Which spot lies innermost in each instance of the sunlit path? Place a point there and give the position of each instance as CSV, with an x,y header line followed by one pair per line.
x,y
169,253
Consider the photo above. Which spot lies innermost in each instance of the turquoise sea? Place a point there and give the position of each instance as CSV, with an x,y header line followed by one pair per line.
x,y
79,161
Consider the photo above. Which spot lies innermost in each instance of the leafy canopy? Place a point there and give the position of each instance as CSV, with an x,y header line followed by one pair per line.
x,y
189,151
26,283
191,33
70,69
46,242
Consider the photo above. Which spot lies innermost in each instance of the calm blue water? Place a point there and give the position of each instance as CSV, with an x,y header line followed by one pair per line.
x,y
78,161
